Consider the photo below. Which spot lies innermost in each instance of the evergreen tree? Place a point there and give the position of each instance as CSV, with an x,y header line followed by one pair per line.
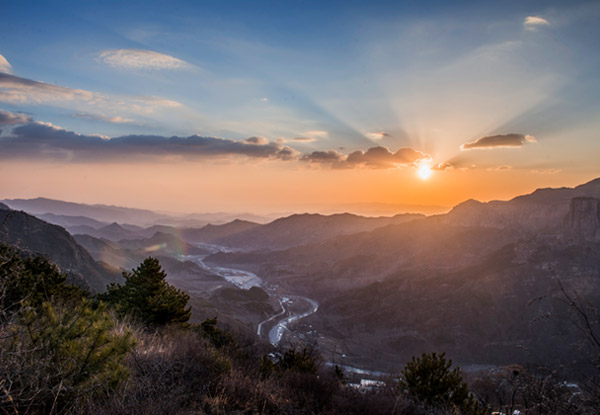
x,y
31,281
429,379
147,296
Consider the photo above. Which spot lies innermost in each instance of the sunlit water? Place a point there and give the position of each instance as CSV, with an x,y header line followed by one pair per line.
x,y
277,332
240,278
246,280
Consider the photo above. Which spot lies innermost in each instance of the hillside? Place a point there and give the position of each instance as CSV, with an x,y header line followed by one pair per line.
x,y
481,282
41,238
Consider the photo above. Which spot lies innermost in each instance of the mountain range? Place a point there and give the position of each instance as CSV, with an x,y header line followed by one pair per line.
x,y
486,282
481,282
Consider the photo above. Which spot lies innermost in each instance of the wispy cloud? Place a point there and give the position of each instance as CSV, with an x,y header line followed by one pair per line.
x,y
10,118
317,134
4,65
443,166
138,59
17,90
501,140
377,136
304,139
500,168
545,171
39,140
115,119
534,22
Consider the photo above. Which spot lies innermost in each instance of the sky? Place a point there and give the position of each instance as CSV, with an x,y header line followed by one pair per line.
x,y
371,107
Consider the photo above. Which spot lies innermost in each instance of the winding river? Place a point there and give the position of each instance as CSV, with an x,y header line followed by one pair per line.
x,y
276,333
246,280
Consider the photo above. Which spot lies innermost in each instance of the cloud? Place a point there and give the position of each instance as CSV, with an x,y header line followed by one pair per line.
x,y
500,168
374,157
382,157
330,156
257,140
116,119
316,133
18,90
534,22
45,141
377,136
4,65
9,118
138,59
304,139
442,166
501,140
21,90
545,171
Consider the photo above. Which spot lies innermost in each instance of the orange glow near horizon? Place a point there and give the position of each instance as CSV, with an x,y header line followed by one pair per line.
x,y
266,188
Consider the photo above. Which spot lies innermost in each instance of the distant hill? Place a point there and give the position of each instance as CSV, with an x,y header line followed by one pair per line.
x,y
70,221
41,238
122,215
213,233
103,213
301,229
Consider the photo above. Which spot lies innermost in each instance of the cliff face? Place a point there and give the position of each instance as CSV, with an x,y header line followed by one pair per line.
x,y
544,210
583,220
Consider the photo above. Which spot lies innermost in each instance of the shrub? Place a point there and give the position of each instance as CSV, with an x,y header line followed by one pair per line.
x,y
54,358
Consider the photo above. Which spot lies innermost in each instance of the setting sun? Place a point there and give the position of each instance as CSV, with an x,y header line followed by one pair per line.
x,y
424,171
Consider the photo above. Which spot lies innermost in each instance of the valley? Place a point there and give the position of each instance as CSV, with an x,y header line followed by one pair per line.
x,y
482,282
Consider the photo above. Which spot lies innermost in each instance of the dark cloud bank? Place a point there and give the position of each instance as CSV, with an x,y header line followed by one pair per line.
x,y
44,141
40,141
500,140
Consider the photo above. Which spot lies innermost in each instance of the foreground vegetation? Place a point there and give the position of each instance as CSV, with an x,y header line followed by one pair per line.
x,y
132,351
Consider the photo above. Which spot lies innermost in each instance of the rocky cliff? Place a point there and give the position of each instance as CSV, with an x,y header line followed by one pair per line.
x,y
583,220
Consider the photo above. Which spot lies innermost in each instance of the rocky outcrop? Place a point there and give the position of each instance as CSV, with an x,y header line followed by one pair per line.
x,y
583,220
542,211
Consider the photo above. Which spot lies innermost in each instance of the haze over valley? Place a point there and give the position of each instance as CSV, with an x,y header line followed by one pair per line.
x,y
481,282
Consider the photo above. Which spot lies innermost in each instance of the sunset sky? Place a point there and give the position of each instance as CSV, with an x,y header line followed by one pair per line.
x,y
256,106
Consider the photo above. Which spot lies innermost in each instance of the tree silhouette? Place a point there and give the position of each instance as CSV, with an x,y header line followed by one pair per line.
x,y
147,296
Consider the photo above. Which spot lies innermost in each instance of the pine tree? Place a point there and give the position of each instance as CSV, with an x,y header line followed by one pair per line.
x,y
147,296
429,379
